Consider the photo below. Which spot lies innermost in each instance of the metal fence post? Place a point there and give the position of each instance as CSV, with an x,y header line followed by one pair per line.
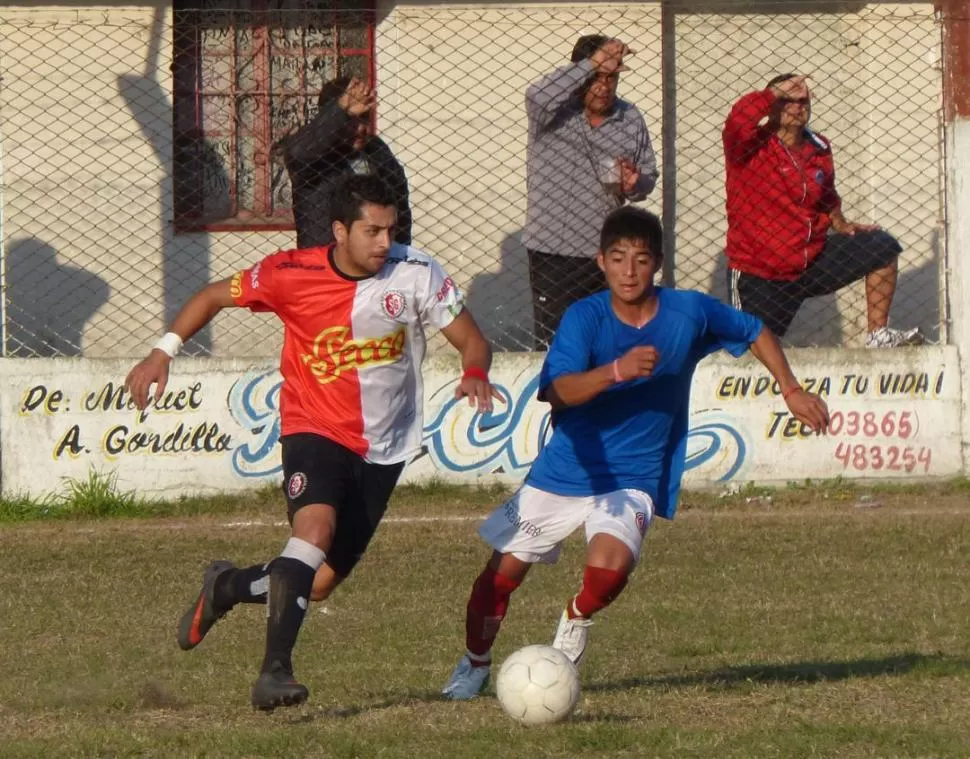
x,y
956,107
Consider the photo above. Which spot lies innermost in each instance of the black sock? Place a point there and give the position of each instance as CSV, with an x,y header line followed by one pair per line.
x,y
242,586
290,583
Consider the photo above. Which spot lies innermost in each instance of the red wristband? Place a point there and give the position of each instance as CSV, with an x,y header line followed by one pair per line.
x,y
616,371
789,391
475,372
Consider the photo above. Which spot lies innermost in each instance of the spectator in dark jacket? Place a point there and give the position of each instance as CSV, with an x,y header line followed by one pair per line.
x,y
782,205
339,141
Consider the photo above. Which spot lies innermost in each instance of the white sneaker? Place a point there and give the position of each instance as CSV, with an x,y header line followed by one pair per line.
x,y
466,681
571,637
887,337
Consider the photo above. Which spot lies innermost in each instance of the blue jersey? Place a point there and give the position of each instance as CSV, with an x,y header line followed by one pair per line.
x,y
633,435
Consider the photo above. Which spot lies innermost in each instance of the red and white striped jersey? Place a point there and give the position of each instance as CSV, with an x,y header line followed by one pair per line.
x,y
353,347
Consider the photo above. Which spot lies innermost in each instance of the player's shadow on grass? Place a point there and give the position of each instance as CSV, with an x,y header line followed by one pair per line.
x,y
728,678
379,704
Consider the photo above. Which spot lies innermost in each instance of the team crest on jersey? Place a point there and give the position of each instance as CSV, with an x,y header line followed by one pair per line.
x,y
297,484
642,522
393,303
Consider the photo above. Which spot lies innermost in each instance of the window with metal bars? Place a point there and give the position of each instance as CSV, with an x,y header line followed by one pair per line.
x,y
245,74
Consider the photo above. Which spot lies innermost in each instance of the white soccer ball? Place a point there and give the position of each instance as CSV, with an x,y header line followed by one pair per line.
x,y
538,685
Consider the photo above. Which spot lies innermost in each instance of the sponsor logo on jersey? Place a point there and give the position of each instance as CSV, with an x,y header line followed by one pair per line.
x,y
393,302
235,286
406,260
254,276
296,485
334,354
446,287
642,522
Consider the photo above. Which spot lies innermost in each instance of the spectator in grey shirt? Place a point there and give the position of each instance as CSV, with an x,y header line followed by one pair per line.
x,y
588,153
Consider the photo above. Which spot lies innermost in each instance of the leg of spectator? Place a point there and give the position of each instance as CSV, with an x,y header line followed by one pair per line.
x,y
542,280
880,288
774,302
592,278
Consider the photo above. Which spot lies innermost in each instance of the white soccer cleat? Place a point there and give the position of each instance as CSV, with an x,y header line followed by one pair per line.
x,y
466,681
887,337
571,637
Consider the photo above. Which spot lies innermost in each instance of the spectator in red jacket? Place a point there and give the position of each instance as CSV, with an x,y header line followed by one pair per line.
x,y
781,206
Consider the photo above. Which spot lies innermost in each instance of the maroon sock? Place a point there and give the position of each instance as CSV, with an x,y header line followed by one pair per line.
x,y
486,609
600,588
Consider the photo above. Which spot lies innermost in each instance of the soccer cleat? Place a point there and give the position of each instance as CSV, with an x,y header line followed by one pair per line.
x,y
887,337
467,680
200,617
278,687
571,637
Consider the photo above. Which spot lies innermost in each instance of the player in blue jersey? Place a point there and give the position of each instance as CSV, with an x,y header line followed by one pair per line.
x,y
618,376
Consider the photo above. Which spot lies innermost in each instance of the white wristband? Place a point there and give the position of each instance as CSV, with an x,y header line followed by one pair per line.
x,y
170,344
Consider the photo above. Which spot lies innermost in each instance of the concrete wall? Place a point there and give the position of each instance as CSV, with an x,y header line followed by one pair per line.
x,y
896,415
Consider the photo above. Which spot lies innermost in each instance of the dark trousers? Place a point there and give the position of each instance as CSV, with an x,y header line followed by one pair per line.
x,y
844,259
557,282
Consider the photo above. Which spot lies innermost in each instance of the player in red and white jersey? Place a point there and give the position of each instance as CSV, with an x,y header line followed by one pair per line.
x,y
354,316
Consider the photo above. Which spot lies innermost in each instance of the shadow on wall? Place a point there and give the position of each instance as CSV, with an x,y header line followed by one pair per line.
x,y
186,257
48,303
819,322
501,301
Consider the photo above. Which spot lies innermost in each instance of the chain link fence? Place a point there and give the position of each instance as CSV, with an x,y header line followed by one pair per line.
x,y
144,153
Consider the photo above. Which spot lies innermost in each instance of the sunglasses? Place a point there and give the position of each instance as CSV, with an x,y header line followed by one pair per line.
x,y
798,101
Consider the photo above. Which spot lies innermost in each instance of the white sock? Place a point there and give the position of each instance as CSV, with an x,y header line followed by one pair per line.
x,y
300,550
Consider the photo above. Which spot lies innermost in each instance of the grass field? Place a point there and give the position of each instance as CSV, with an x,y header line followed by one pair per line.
x,y
817,623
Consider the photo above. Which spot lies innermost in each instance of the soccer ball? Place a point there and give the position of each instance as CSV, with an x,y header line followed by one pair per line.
x,y
538,685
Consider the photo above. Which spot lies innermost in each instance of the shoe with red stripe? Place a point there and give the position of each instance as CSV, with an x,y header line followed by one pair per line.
x,y
200,617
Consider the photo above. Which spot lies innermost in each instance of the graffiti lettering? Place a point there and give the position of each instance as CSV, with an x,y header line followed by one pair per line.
x,y
254,405
786,426
113,397
202,438
508,439
912,383
715,446
71,443
504,440
38,396
875,457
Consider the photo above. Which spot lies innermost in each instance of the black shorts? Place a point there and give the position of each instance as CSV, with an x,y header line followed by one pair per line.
x,y
844,260
318,470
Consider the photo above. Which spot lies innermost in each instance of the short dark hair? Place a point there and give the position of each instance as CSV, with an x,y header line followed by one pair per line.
x,y
587,45
632,223
352,192
779,79
333,90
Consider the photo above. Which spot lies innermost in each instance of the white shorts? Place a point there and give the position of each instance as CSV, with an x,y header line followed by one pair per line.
x,y
532,524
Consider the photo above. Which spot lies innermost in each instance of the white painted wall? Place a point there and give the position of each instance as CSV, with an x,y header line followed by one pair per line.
x,y
86,117
897,415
